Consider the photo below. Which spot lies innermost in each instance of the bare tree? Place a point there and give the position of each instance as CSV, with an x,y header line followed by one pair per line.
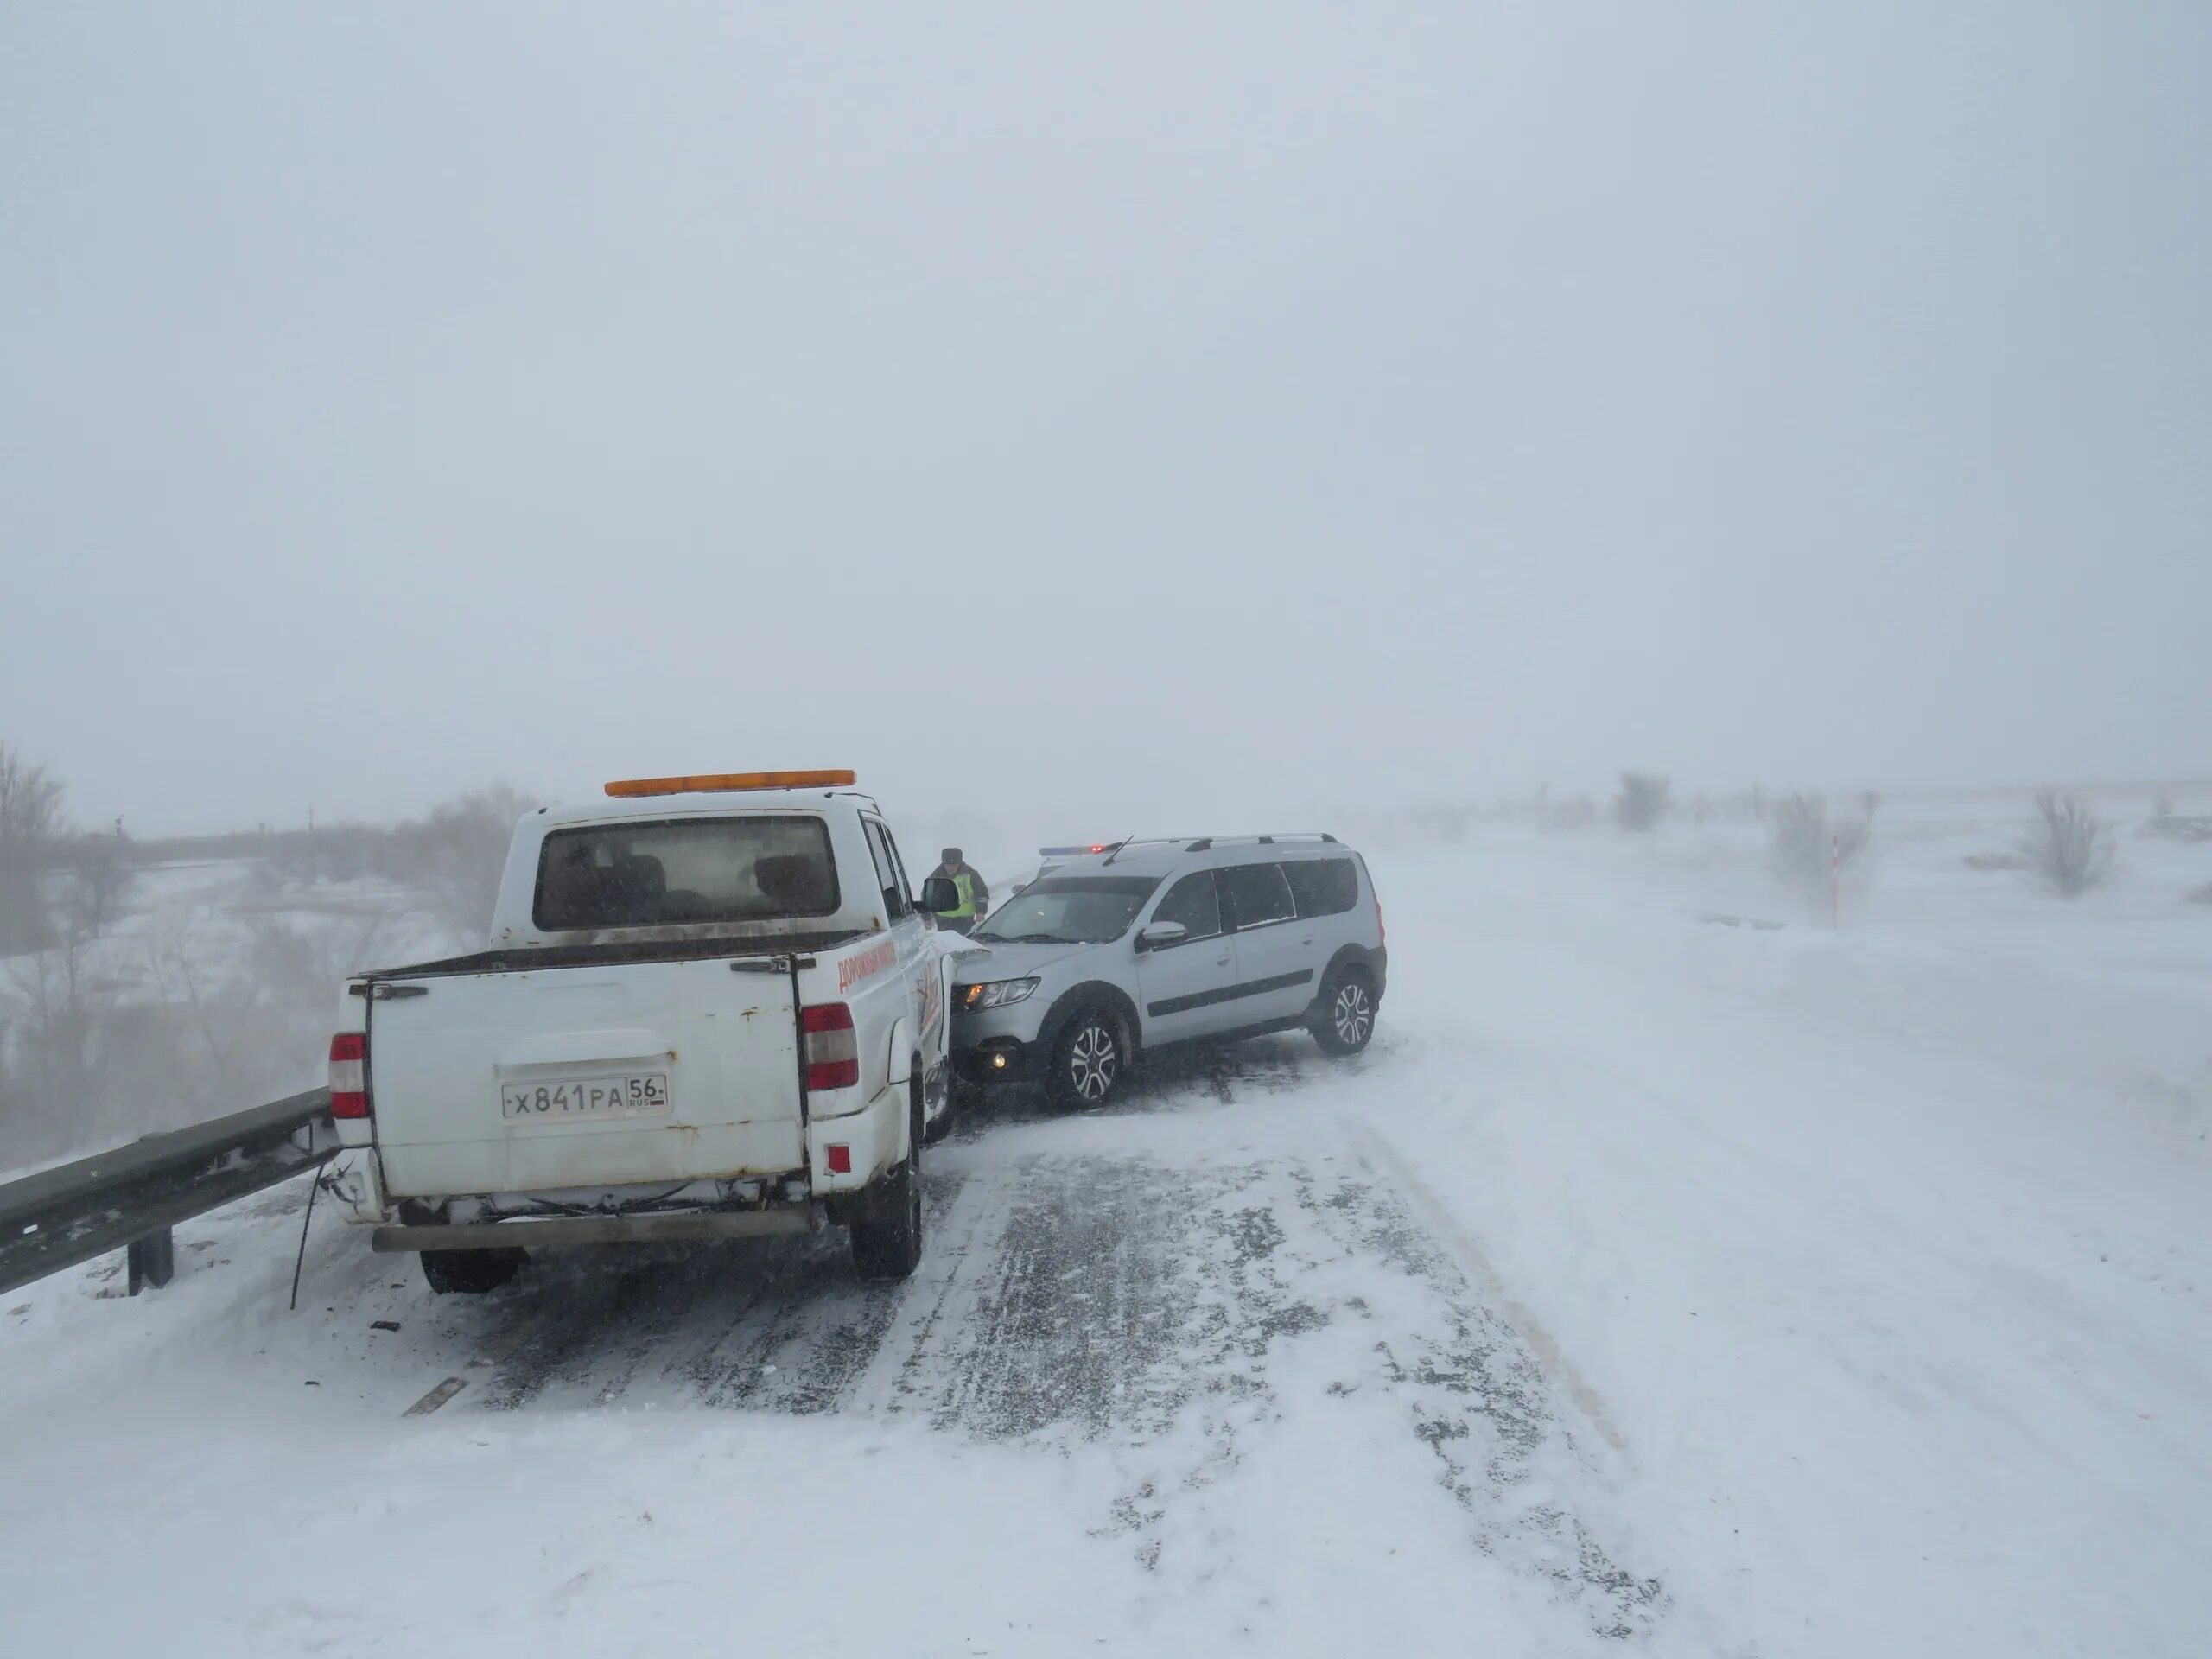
x,y
2066,846
63,998
456,853
213,1011
98,885
30,818
1642,801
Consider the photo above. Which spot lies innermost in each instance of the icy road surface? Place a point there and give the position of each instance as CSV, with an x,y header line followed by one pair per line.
x,y
1652,1284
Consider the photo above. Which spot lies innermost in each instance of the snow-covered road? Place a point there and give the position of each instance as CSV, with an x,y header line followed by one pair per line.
x,y
1217,1303
1723,1291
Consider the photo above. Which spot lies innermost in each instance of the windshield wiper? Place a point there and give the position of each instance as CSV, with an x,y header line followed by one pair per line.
x,y
1028,939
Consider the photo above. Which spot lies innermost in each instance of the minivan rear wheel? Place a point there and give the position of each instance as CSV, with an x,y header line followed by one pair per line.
x,y
1089,1060
1344,1015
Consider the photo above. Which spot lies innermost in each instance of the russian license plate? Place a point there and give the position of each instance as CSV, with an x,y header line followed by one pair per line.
x,y
630,1094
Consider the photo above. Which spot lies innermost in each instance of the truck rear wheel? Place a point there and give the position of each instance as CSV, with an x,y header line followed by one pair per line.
x,y
470,1273
887,1246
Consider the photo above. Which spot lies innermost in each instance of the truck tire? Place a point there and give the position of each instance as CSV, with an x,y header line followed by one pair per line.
x,y
1344,1015
1089,1059
887,1247
470,1273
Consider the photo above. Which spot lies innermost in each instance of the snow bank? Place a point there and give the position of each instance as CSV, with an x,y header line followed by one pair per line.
x,y
251,1531
1885,1254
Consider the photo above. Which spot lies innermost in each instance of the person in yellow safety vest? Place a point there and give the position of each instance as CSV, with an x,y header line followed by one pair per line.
x,y
975,894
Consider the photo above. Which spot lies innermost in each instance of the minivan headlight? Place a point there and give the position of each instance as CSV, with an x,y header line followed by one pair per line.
x,y
996,994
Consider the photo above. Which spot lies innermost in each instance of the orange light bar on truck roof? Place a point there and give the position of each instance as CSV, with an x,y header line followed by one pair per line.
x,y
630,788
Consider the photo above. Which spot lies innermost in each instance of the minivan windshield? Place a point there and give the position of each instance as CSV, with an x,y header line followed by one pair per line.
x,y
1070,910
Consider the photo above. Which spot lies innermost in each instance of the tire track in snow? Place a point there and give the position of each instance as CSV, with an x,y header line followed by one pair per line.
x,y
1482,1276
1143,1301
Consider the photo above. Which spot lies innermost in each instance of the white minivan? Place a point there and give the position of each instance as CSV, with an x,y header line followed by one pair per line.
x,y
1147,943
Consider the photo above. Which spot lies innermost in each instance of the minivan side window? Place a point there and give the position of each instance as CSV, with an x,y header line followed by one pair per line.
x,y
1193,902
1323,886
1256,894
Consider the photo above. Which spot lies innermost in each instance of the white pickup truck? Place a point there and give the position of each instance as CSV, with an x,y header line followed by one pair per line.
x,y
711,1008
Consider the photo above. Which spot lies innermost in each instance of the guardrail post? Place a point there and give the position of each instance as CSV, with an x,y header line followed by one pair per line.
x,y
152,1260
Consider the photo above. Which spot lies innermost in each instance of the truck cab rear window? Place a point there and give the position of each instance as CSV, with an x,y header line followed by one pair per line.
x,y
668,873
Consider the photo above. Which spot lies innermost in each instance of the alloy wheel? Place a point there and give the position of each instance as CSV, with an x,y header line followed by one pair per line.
x,y
1353,1014
1092,1060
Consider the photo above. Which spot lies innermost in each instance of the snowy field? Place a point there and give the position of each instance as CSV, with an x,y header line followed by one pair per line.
x,y
210,990
1656,1278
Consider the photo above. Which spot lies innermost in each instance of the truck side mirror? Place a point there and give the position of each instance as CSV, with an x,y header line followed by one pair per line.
x,y
939,895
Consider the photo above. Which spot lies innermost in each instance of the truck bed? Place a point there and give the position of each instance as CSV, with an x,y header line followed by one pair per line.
x,y
530,958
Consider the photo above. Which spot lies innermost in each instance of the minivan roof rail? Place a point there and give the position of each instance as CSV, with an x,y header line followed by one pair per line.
x,y
1205,843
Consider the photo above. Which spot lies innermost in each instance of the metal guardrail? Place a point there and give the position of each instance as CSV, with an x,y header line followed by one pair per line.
x,y
128,1199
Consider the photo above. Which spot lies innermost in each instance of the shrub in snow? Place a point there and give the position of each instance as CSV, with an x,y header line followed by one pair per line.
x,y
1805,843
1642,803
1571,815
2065,847
2175,828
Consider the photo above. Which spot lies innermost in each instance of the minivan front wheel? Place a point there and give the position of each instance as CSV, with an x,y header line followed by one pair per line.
x,y
1088,1061
1343,1017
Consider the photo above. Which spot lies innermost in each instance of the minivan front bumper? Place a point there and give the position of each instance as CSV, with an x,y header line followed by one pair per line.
x,y
995,1044
994,1061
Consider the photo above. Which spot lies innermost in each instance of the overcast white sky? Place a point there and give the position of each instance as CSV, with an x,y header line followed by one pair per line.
x,y
1151,413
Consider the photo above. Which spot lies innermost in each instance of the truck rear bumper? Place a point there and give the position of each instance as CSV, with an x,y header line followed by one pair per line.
x,y
597,1230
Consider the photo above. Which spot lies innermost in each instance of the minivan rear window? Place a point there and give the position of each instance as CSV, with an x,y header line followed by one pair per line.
x,y
1323,886
662,873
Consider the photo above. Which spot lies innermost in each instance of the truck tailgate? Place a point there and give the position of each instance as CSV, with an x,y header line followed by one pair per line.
x,y
583,1077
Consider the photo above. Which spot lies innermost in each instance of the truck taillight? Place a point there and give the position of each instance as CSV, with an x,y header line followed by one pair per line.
x,y
833,1052
1382,933
349,1074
